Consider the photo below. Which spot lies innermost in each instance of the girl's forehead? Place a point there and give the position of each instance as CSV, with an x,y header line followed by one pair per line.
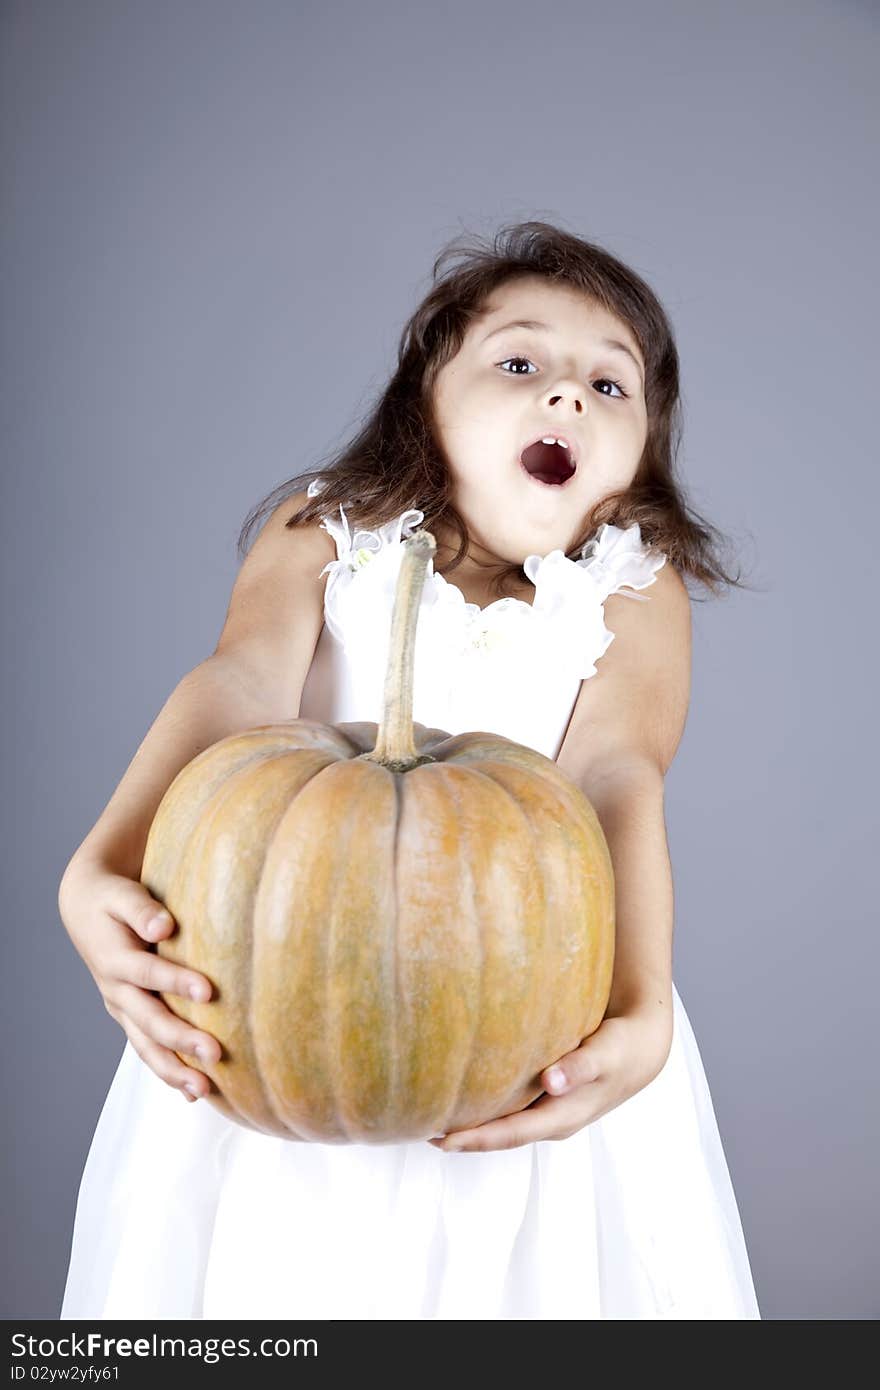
x,y
539,301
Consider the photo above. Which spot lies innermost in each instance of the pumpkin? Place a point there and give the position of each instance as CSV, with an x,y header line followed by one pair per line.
x,y
403,927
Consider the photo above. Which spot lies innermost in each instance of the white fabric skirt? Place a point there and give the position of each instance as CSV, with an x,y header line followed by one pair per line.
x,y
184,1214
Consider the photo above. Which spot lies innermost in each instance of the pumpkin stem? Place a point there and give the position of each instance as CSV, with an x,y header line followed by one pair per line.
x,y
395,747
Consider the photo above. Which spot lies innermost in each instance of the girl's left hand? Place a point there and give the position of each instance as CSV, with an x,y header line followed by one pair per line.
x,y
622,1056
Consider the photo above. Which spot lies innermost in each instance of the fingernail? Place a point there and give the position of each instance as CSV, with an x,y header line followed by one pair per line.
x,y
192,1090
556,1079
198,992
159,922
439,1136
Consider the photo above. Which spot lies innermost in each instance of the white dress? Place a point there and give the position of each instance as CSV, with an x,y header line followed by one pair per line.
x,y
182,1213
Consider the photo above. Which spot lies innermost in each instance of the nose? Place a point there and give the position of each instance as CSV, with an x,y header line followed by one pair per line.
x,y
574,394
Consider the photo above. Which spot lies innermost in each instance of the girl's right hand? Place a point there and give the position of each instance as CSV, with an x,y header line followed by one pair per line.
x,y
109,919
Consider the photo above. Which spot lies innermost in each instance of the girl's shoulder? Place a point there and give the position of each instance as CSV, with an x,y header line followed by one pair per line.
x,y
635,715
276,609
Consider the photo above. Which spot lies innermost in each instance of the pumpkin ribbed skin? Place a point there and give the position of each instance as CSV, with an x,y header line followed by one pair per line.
x,y
393,953
403,927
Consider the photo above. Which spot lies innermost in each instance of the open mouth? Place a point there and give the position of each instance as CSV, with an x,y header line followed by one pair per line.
x,y
549,463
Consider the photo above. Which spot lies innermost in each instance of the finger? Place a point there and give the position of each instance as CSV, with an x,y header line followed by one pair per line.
x,y
589,1062
149,971
163,1026
545,1118
192,1084
130,902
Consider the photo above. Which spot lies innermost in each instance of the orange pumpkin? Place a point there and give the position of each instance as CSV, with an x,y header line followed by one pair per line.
x,y
402,927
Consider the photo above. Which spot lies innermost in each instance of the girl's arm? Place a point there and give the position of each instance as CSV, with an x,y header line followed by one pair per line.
x,y
630,811
254,677
621,739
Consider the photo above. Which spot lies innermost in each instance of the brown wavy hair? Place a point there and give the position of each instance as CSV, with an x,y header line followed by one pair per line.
x,y
394,462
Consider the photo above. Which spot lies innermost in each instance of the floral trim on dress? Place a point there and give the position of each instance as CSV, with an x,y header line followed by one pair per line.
x,y
568,601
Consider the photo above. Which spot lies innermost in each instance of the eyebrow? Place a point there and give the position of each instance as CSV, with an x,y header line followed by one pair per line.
x,y
613,343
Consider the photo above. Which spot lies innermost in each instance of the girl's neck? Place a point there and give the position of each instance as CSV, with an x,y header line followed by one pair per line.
x,y
476,574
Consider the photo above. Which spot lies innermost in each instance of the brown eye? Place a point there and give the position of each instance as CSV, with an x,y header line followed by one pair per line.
x,y
609,381
516,359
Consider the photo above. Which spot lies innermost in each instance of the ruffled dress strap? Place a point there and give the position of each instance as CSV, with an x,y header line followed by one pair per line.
x,y
372,557
617,559
572,593
354,549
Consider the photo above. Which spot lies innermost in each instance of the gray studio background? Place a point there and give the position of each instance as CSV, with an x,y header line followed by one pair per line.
x,y
216,218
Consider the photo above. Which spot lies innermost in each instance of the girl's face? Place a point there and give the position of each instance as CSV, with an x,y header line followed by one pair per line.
x,y
508,386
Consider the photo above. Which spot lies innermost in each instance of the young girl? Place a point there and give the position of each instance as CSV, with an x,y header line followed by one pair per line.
x,y
609,1197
